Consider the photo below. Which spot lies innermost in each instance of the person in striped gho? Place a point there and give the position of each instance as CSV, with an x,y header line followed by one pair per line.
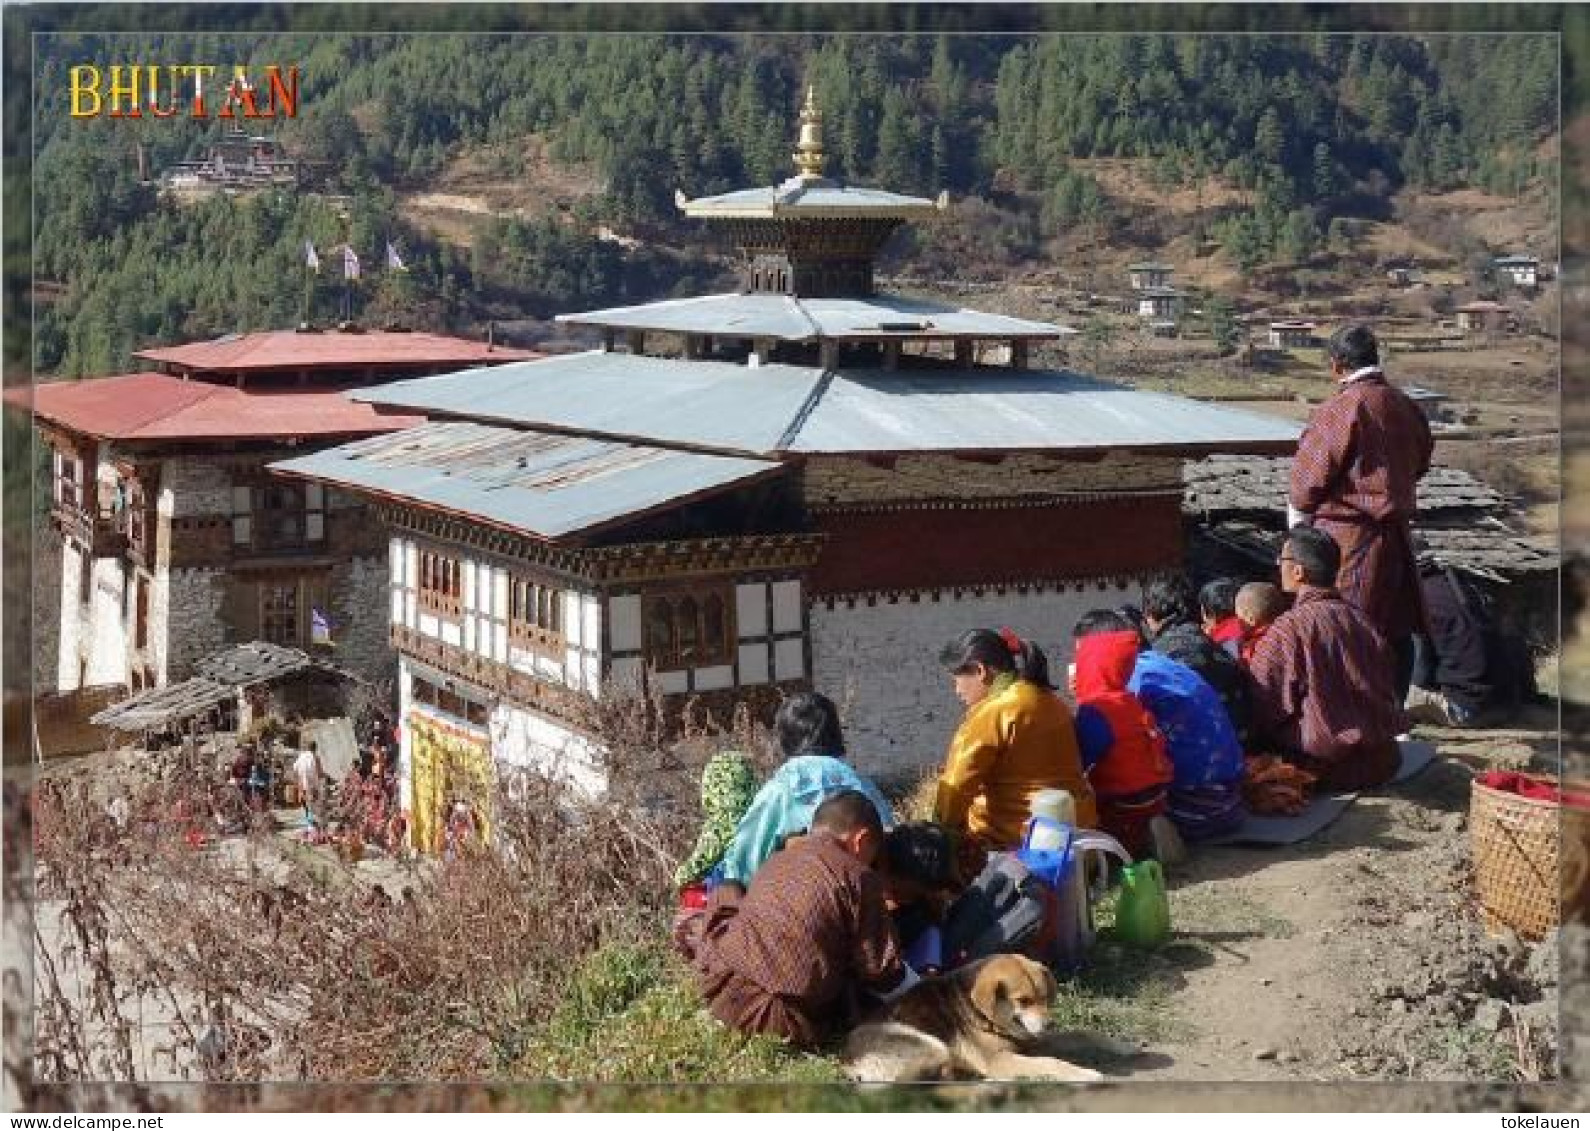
x,y
1323,684
813,932
1355,477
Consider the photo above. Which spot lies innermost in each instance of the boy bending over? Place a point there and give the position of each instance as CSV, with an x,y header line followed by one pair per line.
x,y
813,930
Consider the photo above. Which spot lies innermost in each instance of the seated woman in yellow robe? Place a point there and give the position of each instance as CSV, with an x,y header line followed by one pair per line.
x,y
1016,738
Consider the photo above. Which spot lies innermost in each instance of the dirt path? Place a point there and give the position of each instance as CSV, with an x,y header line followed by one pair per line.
x,y
1358,955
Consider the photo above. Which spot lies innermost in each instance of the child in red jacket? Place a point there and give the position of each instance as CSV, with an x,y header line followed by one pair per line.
x,y
1122,748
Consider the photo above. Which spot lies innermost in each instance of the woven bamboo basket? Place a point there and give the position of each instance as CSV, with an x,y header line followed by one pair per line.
x,y
1529,858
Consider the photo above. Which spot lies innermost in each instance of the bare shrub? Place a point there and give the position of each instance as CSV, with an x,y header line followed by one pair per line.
x,y
258,957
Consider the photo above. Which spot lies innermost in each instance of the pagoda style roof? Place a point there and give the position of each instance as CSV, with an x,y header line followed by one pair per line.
x,y
772,410
157,407
789,318
820,198
547,485
329,349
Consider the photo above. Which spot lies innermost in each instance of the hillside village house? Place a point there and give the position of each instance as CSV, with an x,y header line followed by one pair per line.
x,y
1520,270
1160,302
820,492
169,541
1291,335
1149,276
1484,315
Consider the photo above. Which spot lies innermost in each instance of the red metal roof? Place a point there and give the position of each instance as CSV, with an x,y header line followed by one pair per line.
x,y
158,406
330,349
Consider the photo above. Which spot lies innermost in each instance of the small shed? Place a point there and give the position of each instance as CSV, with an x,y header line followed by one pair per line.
x,y
233,685
1149,276
1290,335
1162,329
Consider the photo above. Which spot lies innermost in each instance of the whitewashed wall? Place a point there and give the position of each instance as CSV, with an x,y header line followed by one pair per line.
x,y
880,663
525,740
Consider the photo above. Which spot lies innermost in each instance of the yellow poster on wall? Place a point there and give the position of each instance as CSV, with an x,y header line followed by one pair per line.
x,y
448,765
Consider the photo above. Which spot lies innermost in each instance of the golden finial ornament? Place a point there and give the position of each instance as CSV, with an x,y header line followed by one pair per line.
x,y
809,149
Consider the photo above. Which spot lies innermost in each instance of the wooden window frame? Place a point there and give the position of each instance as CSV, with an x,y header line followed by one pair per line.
x,y
450,703
535,616
705,645
440,584
299,610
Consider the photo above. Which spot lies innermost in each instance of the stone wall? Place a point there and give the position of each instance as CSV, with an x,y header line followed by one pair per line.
x,y
842,480
360,598
195,626
197,487
879,661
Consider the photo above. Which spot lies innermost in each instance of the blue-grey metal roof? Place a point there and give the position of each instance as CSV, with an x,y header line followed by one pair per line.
x,y
772,409
548,485
1014,409
718,406
800,196
810,319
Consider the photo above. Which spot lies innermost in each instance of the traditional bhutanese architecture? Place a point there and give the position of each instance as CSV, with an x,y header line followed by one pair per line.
x,y
1291,335
168,540
1159,302
1484,315
237,161
1520,270
1149,276
804,484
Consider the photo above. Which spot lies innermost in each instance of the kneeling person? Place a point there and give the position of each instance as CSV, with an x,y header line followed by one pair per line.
x,y
813,930
1324,693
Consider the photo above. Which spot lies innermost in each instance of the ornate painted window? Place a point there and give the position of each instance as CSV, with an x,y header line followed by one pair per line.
x,y
535,616
441,584
691,628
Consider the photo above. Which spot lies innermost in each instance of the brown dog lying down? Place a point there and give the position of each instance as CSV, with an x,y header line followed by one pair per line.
x,y
987,1020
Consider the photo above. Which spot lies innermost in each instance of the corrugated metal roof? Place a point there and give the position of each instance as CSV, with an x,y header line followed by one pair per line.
x,y
822,197
158,406
770,409
1014,409
290,349
714,405
809,319
542,484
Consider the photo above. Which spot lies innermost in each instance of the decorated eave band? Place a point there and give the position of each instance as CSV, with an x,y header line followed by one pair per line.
x,y
598,565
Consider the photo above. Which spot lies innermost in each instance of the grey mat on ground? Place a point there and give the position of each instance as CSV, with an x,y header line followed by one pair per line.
x,y
1322,811
1279,830
1416,758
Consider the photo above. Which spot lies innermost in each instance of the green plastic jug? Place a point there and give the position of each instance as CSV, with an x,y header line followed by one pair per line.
x,y
1142,914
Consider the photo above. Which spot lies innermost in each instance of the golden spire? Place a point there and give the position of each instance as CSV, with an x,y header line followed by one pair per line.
x,y
809,149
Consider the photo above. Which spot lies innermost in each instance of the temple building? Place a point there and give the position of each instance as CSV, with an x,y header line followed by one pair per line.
x,y
803,484
168,540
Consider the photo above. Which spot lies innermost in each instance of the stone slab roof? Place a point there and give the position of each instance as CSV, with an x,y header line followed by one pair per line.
x,y
1225,485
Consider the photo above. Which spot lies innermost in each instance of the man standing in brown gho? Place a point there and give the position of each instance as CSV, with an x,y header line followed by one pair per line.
x,y
1357,468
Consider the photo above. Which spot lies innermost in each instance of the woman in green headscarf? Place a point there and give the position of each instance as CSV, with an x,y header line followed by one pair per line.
x,y
728,783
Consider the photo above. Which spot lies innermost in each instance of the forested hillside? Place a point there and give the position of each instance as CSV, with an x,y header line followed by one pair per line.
x,y
1306,129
